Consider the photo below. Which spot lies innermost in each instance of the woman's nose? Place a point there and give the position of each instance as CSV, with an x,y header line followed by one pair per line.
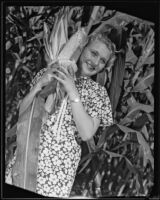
x,y
96,61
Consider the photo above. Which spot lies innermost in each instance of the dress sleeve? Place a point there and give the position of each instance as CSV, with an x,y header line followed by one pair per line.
x,y
37,77
100,107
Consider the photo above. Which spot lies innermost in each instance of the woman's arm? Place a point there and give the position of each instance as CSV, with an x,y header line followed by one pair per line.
x,y
44,80
85,124
29,98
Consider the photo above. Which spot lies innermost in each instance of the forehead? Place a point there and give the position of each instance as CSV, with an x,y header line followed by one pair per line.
x,y
100,47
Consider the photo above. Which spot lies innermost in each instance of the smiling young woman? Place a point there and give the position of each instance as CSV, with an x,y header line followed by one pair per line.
x,y
87,107
96,55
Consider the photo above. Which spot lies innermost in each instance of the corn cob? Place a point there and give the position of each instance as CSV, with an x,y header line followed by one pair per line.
x,y
71,51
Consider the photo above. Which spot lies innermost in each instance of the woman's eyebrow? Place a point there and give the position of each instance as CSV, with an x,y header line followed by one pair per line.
x,y
94,50
99,54
105,60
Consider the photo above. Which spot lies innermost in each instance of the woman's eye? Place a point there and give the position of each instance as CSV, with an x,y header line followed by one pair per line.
x,y
94,53
103,61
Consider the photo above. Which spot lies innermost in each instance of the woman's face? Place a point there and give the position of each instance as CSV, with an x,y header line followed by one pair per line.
x,y
94,58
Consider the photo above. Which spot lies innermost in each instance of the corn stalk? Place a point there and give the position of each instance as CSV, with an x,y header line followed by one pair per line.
x,y
148,46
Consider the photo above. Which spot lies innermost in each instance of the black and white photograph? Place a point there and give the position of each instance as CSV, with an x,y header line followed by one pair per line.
x,y
79,101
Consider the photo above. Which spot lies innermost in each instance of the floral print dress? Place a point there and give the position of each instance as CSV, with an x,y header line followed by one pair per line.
x,y
59,159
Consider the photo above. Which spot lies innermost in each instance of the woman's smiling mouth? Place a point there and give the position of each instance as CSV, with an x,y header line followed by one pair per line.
x,y
90,67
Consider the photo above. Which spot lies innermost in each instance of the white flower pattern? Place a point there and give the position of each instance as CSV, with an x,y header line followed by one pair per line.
x,y
58,160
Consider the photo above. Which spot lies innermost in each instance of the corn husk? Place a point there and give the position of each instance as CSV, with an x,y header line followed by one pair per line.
x,y
73,47
28,128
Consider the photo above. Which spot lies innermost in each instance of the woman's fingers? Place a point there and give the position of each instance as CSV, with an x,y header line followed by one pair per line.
x,y
50,77
65,71
59,79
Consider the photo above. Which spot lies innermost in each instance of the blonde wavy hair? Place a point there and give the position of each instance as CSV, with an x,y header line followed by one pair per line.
x,y
109,44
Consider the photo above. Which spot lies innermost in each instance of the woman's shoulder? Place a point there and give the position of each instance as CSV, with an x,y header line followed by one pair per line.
x,y
97,87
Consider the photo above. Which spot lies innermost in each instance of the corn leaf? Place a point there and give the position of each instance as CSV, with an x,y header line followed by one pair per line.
x,y
131,57
46,33
109,130
148,46
140,121
91,145
8,45
28,130
149,60
145,132
37,36
121,190
127,130
11,132
101,78
86,157
146,149
141,140
116,83
85,165
113,154
134,107
59,34
139,107
145,82
150,96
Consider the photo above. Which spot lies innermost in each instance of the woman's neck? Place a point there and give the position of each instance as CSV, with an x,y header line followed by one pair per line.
x,y
80,74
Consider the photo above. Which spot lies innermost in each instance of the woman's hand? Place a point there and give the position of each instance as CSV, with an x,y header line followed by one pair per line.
x,y
67,81
46,78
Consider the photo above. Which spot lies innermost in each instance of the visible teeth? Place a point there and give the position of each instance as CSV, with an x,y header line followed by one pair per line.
x,y
91,67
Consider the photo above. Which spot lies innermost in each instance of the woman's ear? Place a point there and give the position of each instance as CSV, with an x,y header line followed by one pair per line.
x,y
102,77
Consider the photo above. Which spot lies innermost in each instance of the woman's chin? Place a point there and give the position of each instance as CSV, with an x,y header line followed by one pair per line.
x,y
88,72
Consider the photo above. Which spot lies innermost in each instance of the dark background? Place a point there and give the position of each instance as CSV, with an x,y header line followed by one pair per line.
x,y
145,10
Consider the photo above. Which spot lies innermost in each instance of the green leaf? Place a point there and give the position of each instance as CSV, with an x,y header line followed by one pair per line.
x,y
16,56
46,33
101,78
130,166
109,130
126,120
139,107
150,96
140,121
11,132
113,154
123,144
145,132
8,45
28,130
86,157
131,57
26,69
146,149
145,82
91,145
116,82
17,21
85,165
150,60
126,129
121,190
38,36
135,108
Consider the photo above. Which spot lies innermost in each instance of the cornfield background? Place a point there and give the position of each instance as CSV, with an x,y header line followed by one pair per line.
x,y
122,161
